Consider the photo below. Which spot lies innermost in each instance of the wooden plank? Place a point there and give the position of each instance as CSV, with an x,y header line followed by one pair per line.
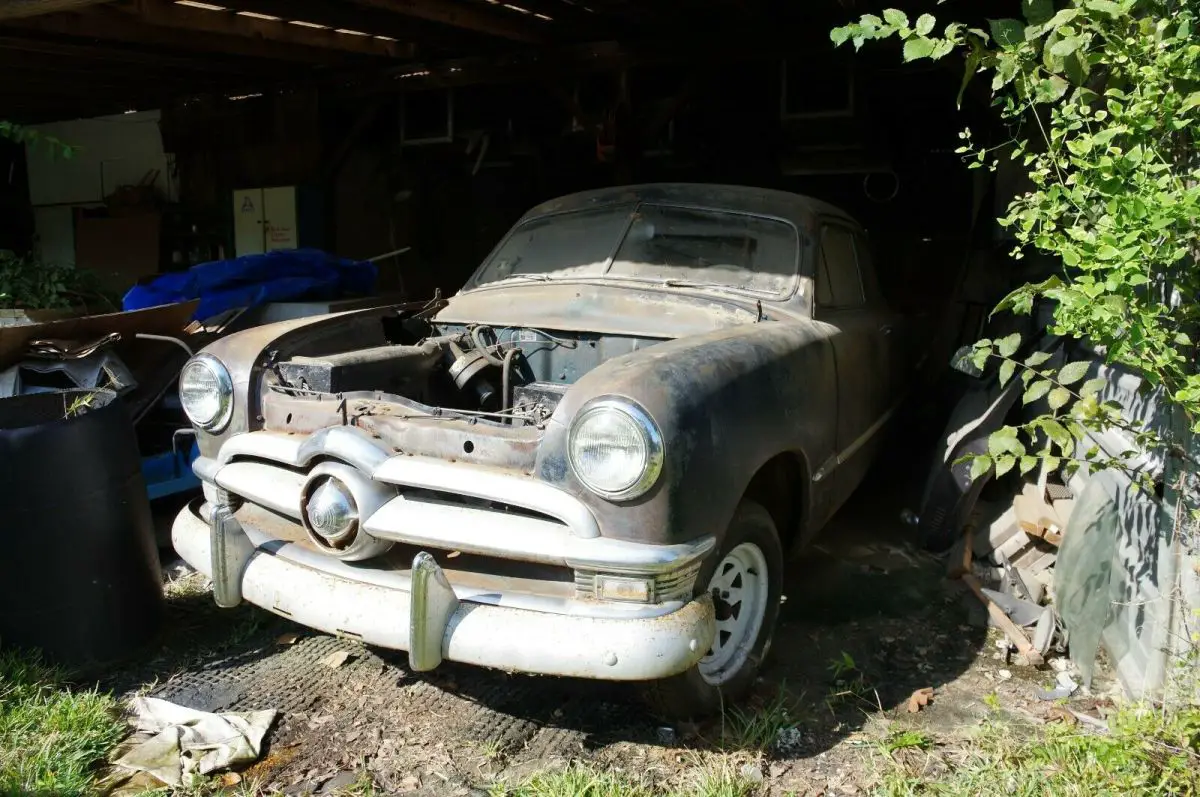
x,y
113,25
347,16
1010,629
162,13
23,9
86,55
506,25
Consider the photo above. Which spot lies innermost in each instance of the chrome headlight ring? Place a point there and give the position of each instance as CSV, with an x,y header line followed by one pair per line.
x,y
642,437
206,366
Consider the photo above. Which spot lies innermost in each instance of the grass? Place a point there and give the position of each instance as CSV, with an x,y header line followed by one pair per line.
x,y
713,776
757,729
52,738
1145,752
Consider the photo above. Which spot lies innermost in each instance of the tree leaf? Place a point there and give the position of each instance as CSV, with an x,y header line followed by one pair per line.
x,y
925,24
1105,6
917,47
1027,464
1009,344
1059,434
1004,464
1007,32
1005,441
980,465
895,17
1058,398
1007,368
1071,373
1037,12
1037,358
1035,391
972,66
1092,387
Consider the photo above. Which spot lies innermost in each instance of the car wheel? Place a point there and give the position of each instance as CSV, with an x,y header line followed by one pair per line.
x,y
745,580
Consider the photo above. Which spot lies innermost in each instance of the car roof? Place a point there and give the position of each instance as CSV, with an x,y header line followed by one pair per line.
x,y
796,208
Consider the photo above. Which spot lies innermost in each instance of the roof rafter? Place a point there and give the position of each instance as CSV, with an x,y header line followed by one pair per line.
x,y
468,17
230,22
112,25
21,9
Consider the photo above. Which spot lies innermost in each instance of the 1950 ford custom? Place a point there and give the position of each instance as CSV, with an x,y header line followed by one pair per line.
x,y
588,462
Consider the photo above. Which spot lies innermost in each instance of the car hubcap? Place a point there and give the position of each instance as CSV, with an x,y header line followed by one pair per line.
x,y
739,589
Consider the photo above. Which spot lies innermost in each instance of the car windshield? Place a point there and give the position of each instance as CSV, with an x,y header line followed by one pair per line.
x,y
658,243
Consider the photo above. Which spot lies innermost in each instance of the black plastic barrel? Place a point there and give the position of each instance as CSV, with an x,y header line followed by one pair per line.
x,y
79,570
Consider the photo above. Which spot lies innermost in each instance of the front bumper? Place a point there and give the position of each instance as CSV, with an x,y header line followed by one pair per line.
x,y
425,616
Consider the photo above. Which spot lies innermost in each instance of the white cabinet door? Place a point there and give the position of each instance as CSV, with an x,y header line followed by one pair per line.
x,y
279,218
248,234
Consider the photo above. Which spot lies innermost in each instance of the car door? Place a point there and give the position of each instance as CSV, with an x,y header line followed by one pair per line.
x,y
860,355
892,327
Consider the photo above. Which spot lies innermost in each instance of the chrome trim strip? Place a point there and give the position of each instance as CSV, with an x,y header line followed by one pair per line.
x,y
277,489
347,443
489,485
843,456
445,525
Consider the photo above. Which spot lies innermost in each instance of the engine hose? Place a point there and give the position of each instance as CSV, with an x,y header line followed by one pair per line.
x,y
506,376
483,348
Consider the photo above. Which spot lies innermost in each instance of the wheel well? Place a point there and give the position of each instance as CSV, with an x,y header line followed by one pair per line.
x,y
779,486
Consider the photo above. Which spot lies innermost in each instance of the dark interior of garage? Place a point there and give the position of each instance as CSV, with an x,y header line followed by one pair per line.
x,y
433,125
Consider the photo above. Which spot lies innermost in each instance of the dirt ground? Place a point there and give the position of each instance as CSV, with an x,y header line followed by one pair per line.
x,y
868,619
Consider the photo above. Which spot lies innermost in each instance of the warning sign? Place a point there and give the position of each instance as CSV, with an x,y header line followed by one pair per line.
x,y
247,205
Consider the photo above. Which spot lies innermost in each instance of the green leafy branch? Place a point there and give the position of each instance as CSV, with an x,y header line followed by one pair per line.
x,y
1100,98
1076,411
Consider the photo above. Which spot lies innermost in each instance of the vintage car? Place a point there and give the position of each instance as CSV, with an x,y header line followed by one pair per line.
x,y
588,462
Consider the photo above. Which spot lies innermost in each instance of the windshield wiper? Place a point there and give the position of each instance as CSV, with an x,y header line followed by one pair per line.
x,y
528,277
681,283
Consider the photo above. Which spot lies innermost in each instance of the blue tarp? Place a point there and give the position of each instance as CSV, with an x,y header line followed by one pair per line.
x,y
251,280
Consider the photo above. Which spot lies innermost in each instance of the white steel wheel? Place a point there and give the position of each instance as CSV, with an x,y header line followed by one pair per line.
x,y
744,581
740,591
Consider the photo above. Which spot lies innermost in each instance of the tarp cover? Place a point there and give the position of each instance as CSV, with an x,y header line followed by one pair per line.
x,y
252,280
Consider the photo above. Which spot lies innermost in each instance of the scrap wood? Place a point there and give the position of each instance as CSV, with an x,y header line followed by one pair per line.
x,y
1015,634
1037,517
1010,629
919,699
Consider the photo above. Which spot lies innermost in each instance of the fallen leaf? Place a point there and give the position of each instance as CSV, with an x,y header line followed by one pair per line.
x,y
289,638
231,779
919,699
453,554
336,659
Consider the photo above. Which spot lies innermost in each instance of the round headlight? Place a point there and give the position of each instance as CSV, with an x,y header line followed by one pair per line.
x,y
615,449
206,392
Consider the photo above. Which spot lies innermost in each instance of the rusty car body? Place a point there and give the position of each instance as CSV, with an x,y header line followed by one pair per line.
x,y
587,462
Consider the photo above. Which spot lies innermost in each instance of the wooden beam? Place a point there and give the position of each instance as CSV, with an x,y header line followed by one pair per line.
x,y
87,55
22,9
112,25
508,25
347,16
165,14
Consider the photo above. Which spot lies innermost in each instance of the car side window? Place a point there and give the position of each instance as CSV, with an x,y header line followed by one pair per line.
x,y
839,283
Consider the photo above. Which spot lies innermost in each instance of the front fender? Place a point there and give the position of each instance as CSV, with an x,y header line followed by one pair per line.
x,y
727,402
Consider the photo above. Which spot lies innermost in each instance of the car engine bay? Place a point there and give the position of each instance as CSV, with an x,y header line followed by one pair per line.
x,y
507,375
